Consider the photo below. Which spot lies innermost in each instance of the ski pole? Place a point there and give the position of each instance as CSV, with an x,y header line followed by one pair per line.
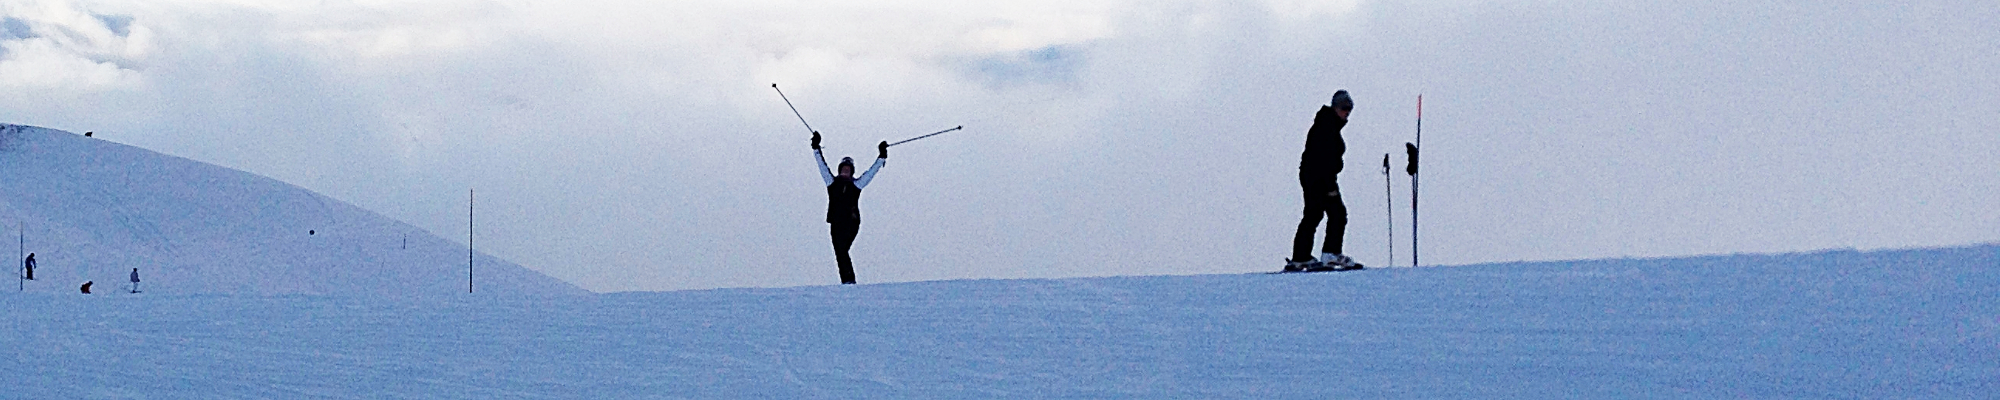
x,y
925,136
795,110
1389,202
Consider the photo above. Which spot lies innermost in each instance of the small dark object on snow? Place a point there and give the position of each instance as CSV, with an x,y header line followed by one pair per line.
x,y
86,134
29,264
309,232
86,287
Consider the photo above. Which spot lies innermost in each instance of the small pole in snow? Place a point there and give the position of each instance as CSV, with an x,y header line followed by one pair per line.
x,y
468,240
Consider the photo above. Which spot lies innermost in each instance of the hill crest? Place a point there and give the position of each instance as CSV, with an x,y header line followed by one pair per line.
x,y
91,210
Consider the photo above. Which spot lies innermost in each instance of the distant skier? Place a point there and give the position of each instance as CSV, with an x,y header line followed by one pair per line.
x,y
843,211
86,287
1319,173
29,265
135,280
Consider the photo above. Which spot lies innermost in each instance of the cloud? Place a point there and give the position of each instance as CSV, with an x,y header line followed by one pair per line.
x,y
55,45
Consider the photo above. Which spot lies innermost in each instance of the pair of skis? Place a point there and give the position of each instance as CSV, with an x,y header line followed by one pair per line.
x,y
1318,266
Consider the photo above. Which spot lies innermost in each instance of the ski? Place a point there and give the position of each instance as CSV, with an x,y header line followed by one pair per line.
x,y
1320,267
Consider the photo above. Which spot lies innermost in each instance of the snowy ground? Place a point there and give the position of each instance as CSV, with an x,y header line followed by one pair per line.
x,y
1920,323
92,210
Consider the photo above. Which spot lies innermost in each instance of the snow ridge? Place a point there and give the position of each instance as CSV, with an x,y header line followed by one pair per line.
x,y
91,210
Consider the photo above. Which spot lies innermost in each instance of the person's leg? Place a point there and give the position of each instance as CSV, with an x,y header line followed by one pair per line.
x,y
1302,240
1336,225
843,239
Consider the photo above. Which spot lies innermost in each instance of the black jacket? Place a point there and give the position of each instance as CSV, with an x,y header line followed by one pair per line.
x,y
1320,164
843,202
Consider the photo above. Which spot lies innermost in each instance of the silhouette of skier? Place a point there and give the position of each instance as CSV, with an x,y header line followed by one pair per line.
x,y
29,265
135,280
1319,173
86,287
843,211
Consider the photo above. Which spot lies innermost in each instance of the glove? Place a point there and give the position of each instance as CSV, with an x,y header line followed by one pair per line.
x,y
1412,149
883,148
815,140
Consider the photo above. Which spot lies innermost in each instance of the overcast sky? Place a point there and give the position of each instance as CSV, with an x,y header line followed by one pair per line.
x,y
637,145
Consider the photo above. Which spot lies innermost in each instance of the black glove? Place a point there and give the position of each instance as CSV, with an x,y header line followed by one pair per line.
x,y
884,148
1412,149
815,140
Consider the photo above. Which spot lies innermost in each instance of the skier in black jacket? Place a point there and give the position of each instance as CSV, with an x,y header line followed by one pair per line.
x,y
1319,170
843,211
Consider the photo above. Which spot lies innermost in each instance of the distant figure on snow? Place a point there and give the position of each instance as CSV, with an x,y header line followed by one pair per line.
x,y
843,211
29,265
1319,173
135,280
86,287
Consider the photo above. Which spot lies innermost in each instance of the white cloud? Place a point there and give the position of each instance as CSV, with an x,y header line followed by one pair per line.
x,y
56,44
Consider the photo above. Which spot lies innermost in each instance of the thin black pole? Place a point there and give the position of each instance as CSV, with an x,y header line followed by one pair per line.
x,y
925,136
1389,203
1413,181
795,110
468,240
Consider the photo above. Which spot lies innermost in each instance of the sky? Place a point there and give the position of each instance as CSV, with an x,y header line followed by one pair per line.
x,y
638,145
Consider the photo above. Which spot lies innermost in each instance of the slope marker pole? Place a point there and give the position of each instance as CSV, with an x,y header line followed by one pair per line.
x,y
468,240
1413,181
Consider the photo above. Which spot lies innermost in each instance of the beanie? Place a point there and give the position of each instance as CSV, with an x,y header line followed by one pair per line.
x,y
1342,102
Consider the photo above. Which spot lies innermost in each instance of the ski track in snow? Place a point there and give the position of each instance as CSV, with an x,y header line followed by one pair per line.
x,y
1908,323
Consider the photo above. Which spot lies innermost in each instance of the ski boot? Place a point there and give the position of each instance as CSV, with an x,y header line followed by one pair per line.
x,y
1300,265
1335,262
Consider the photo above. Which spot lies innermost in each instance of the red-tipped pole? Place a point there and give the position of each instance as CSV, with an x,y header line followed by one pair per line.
x,y
1413,180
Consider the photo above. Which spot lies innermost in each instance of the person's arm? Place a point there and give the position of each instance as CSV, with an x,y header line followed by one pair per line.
x,y
862,182
824,174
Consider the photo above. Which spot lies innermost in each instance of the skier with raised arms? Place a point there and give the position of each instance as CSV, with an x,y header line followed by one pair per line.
x,y
843,211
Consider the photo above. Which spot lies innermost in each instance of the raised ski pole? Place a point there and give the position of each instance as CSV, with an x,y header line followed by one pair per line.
x,y
1389,203
795,110
925,136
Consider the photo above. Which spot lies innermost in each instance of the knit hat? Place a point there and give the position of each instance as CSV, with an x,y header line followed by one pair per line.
x,y
847,162
1342,102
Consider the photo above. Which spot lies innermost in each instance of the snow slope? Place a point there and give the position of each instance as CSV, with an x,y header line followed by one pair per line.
x,y
92,210
1844,324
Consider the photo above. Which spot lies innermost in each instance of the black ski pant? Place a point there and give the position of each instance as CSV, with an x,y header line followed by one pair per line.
x,y
1321,200
843,238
